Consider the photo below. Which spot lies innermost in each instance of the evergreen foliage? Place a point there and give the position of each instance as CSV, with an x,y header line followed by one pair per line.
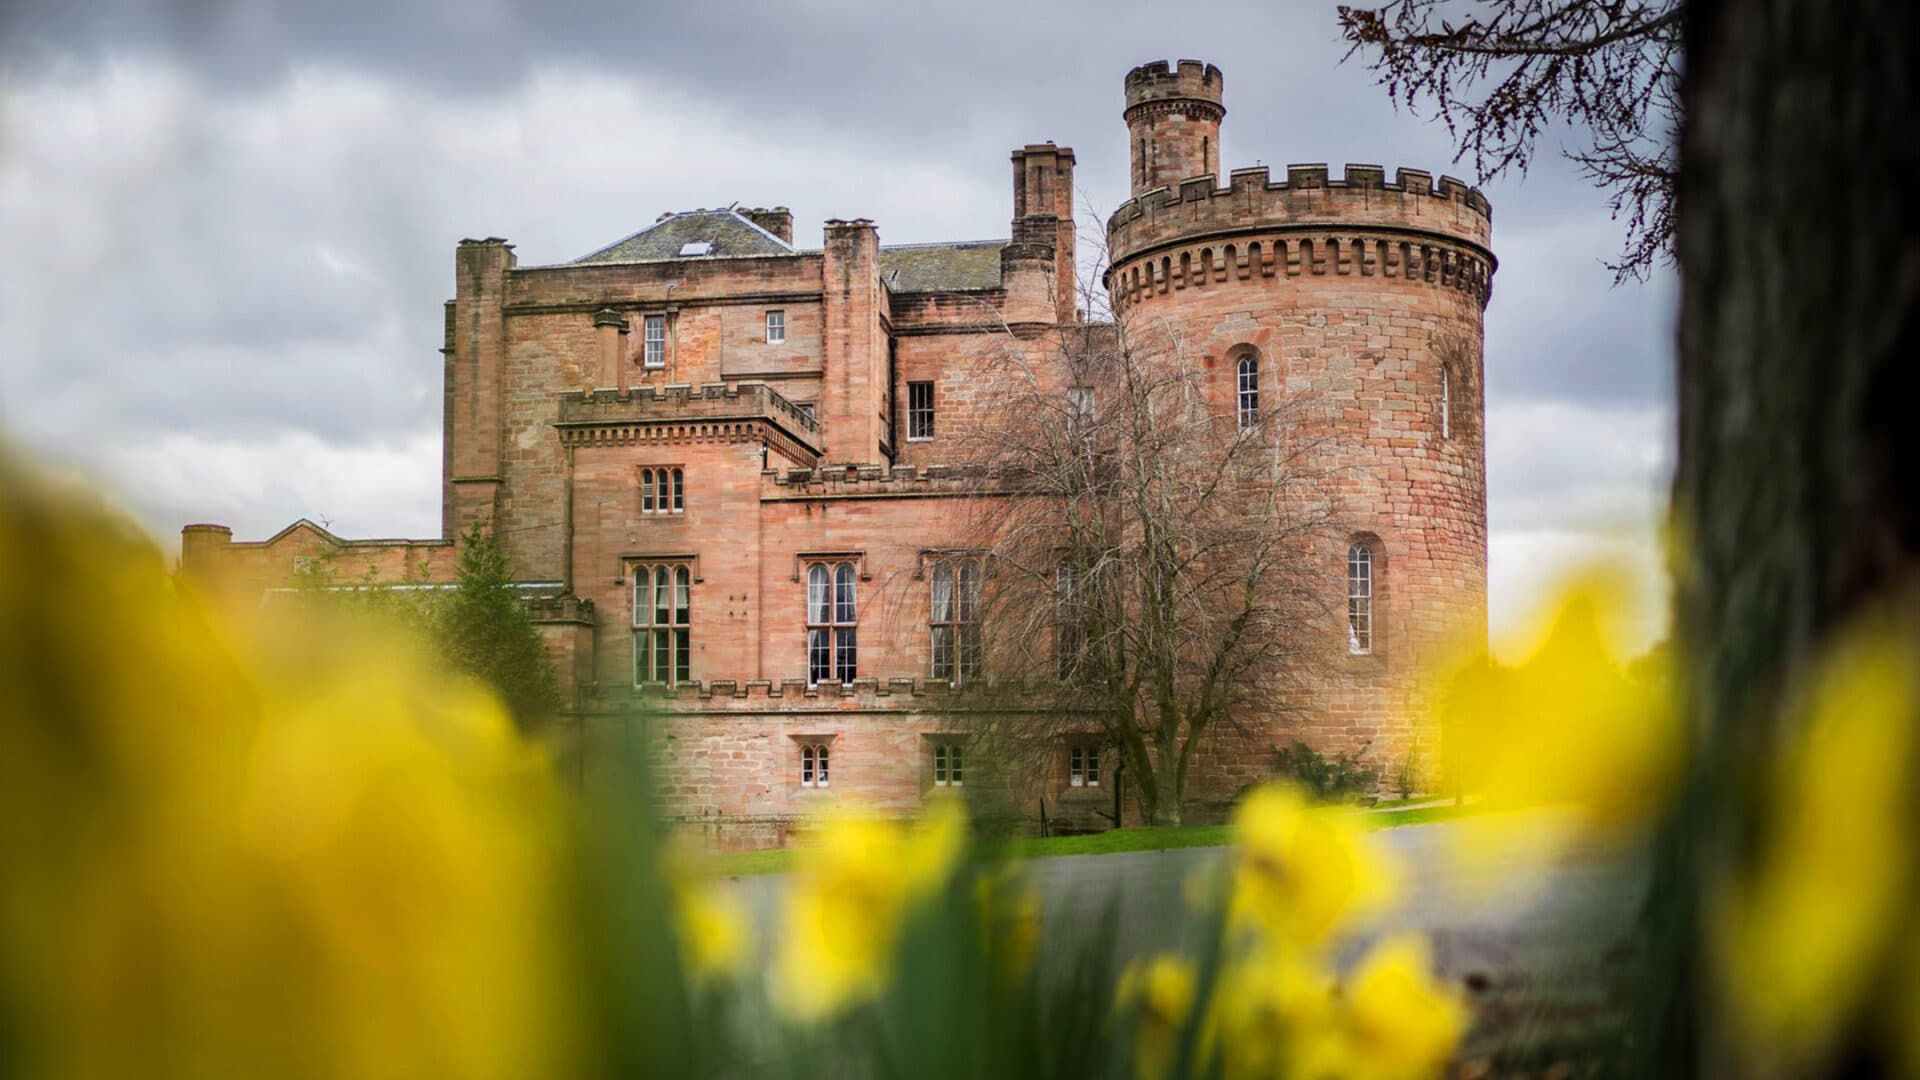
x,y
485,632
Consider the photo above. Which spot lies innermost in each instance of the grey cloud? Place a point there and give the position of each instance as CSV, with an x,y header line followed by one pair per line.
x,y
231,226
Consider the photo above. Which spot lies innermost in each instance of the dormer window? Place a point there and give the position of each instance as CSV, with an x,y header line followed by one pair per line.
x,y
697,247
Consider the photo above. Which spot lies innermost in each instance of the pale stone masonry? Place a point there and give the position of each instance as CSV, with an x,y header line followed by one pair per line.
x,y
706,405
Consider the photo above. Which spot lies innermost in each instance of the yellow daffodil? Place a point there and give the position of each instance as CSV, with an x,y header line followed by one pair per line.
x,y
850,894
1567,725
1009,912
1394,1022
1157,993
1271,1012
220,856
713,930
1800,937
1301,871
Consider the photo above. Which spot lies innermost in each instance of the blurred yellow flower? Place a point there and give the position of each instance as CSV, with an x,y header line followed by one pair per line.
x,y
714,933
1800,937
1157,993
1566,725
1009,912
1394,1021
1271,1015
1301,871
225,855
849,896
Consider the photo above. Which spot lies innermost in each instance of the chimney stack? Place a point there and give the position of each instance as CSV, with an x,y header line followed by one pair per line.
x,y
777,220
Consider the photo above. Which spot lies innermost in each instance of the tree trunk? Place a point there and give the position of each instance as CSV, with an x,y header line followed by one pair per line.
x,y
1796,494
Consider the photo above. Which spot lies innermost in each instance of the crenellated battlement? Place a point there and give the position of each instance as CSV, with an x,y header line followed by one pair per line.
x,y
1307,199
802,696
1188,80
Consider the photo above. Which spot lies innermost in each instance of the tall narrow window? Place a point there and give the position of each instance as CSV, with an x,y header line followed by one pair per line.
x,y
814,765
662,624
776,327
1070,643
955,620
832,623
919,410
1446,402
1249,391
1360,599
949,765
1206,153
654,341
662,490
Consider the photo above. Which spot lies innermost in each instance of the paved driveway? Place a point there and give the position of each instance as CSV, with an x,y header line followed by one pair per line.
x,y
1535,921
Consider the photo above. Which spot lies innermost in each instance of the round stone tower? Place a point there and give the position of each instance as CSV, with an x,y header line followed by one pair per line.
x,y
1353,307
1173,117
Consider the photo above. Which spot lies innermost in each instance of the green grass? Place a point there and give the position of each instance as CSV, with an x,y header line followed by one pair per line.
x,y
1116,840
780,860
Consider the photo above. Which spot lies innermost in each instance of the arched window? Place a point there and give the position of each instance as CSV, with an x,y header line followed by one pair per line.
x,y
1360,599
1446,402
832,623
662,490
814,765
1249,391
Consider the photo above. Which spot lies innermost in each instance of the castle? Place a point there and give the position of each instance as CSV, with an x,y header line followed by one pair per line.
x,y
719,462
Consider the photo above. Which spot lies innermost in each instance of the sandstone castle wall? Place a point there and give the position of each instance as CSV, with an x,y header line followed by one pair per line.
x,y
1360,298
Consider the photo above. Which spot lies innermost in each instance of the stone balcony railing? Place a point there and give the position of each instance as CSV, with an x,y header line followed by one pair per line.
x,y
679,404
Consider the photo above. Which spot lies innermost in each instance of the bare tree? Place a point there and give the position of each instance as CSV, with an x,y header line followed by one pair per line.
x,y
1503,72
1156,553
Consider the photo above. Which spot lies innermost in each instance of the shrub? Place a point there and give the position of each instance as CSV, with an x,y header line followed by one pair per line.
x,y
1339,778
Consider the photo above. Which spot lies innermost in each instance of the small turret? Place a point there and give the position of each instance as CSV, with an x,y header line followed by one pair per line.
x,y
1173,116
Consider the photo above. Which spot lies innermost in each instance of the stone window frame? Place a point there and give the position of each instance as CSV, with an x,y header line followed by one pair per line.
x,y
776,326
649,633
1069,635
831,604
946,758
1083,763
1373,648
917,413
651,357
1246,394
813,760
960,616
655,481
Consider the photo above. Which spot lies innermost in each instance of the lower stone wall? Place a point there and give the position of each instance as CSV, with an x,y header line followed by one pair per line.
x,y
733,777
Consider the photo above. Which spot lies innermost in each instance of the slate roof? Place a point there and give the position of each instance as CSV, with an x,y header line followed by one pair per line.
x,y
731,235
954,267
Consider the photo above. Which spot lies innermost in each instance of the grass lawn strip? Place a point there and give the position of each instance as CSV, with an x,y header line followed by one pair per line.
x,y
1113,841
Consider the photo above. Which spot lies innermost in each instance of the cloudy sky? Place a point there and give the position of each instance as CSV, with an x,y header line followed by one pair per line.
x,y
230,228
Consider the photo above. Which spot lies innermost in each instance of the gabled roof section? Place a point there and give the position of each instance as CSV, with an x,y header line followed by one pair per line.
x,y
963,266
727,234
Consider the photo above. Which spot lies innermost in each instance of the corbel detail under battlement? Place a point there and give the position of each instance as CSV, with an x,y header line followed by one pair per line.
x,y
1252,254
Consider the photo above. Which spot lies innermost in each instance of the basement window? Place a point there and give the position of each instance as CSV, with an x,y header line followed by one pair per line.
x,y
949,765
1083,766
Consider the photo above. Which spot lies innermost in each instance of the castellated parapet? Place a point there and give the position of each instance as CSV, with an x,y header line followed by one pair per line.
x,y
1196,232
